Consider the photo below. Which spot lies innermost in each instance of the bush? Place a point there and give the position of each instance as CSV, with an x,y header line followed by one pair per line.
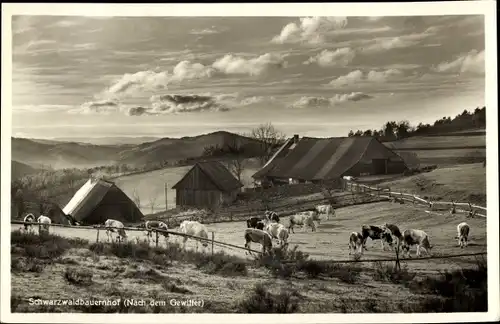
x,y
44,246
77,276
172,287
27,265
387,272
262,301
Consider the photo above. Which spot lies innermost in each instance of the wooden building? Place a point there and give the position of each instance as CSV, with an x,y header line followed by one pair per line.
x,y
206,185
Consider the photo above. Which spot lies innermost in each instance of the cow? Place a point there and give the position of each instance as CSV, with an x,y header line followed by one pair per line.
x,y
258,236
278,231
394,231
149,225
44,223
418,238
113,226
356,243
375,233
463,230
272,216
326,209
30,218
194,228
306,218
349,178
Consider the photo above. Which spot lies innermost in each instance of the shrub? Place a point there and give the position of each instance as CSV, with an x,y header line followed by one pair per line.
x,y
172,287
77,276
387,272
44,246
262,301
27,265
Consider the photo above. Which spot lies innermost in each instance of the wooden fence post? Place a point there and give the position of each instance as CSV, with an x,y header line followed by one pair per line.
x,y
213,237
398,265
414,200
97,239
156,238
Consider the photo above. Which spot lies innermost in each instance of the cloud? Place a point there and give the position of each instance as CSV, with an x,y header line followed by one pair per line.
x,y
187,70
308,102
309,30
383,44
358,76
253,100
472,62
348,79
101,107
143,80
339,57
180,103
204,31
137,111
231,64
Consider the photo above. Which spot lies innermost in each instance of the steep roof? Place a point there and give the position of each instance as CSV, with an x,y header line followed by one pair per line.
x,y
319,158
218,174
88,197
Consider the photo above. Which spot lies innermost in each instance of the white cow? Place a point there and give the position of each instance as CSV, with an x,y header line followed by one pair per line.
x,y
306,218
356,243
194,228
30,218
463,230
44,223
113,226
279,232
150,225
258,236
328,210
418,238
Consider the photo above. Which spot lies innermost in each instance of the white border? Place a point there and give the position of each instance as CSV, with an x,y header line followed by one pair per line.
x,y
486,8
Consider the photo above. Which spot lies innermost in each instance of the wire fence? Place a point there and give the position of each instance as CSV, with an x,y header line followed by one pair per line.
x,y
213,242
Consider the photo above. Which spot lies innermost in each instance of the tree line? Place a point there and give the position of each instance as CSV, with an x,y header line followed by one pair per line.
x,y
393,130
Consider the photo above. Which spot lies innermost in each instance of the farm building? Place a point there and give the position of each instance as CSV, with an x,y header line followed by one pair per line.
x,y
206,185
97,200
316,160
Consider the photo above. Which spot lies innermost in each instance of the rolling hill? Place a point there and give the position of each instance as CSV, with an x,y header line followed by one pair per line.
x,y
19,169
73,154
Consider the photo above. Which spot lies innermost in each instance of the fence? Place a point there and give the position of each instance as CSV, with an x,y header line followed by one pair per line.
x,y
397,260
386,193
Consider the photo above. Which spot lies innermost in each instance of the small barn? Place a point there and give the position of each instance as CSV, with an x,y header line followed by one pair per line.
x,y
97,200
206,185
316,160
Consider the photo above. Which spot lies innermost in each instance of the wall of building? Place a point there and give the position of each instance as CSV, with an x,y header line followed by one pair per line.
x,y
198,198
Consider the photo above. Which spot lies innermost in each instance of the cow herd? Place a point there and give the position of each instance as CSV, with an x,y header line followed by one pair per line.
x,y
264,230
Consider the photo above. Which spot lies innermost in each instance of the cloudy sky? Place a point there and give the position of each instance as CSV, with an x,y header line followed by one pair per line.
x,y
181,76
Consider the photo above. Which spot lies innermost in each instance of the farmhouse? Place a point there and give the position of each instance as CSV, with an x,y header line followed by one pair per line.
x,y
98,200
316,160
206,185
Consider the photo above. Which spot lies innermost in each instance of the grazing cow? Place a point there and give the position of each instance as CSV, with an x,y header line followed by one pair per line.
x,y
149,225
279,232
44,223
194,228
256,222
30,218
258,236
375,233
272,216
349,178
463,230
395,232
306,218
113,226
418,238
356,243
326,209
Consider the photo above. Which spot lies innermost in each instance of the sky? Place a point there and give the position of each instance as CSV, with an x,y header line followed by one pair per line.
x,y
79,76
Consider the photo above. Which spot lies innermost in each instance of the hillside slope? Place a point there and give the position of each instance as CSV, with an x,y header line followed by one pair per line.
x,y
72,154
19,169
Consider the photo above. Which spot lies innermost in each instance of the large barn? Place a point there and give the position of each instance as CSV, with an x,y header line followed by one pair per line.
x,y
206,185
309,159
97,200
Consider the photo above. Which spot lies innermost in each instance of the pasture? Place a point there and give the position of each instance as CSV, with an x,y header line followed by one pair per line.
x,y
435,142
150,186
225,285
330,240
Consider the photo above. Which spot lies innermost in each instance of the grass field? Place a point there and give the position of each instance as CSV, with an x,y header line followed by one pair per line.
x,y
460,183
83,273
431,142
150,186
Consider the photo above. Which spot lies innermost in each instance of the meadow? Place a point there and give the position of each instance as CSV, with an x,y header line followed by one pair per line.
x,y
443,142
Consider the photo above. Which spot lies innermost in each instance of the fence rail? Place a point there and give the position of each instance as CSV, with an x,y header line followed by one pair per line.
x,y
386,193
397,260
